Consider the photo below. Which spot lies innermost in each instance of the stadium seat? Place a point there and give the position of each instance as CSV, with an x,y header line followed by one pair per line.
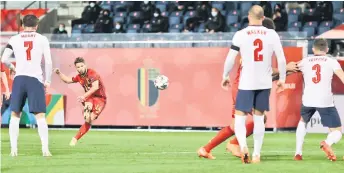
x,y
245,7
134,17
106,7
164,14
326,23
296,11
323,29
339,15
174,20
162,7
118,19
146,28
337,5
311,24
89,28
121,14
231,19
223,12
234,27
218,5
79,26
178,26
293,18
309,11
295,24
201,28
231,5
293,29
310,31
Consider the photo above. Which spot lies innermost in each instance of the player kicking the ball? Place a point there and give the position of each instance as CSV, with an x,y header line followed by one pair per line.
x,y
94,99
317,73
227,132
256,45
28,48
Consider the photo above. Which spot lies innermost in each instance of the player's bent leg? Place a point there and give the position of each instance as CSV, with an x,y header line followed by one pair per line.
x,y
306,115
330,118
86,126
14,132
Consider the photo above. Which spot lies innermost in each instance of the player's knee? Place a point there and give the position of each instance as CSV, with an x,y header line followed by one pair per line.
x,y
258,112
265,119
40,115
240,113
16,114
336,129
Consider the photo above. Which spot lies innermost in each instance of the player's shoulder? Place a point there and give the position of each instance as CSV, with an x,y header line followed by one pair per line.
x,y
41,37
91,71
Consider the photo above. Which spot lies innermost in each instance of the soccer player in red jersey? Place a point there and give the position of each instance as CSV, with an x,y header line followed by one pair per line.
x,y
7,94
94,99
228,131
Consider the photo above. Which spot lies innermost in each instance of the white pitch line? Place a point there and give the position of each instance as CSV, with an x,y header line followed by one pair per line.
x,y
189,152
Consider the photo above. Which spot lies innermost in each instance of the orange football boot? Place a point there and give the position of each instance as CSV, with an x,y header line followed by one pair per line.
x,y
234,149
298,157
202,153
328,151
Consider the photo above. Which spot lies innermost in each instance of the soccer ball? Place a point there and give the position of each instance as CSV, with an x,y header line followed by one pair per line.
x,y
161,82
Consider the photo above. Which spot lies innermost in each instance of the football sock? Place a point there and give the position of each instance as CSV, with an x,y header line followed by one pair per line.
x,y
300,137
83,130
14,132
240,131
258,134
249,132
221,136
43,133
333,137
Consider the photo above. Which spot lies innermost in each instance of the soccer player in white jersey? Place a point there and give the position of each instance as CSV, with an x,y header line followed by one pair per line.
x,y
317,95
28,48
256,45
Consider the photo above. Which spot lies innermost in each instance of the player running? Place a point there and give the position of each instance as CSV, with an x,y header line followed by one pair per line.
x,y
94,99
256,45
28,48
227,132
317,73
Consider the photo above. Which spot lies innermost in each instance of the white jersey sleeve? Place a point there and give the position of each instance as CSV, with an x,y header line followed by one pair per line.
x,y
278,49
233,52
47,60
335,65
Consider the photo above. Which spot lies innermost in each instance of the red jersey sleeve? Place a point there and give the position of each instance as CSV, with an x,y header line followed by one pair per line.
x,y
2,67
76,78
93,76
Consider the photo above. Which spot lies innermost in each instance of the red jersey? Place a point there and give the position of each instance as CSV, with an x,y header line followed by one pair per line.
x,y
2,66
87,80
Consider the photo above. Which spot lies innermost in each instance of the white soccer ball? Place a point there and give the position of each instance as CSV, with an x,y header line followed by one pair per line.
x,y
161,82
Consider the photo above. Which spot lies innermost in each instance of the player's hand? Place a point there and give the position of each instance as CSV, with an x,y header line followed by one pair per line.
x,y
292,66
46,86
7,95
280,86
81,99
225,83
57,71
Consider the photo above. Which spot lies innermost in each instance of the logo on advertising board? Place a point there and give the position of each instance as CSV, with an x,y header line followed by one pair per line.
x,y
148,94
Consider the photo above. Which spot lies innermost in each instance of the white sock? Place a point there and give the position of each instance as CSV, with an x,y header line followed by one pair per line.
x,y
300,137
333,137
240,131
43,133
14,132
258,134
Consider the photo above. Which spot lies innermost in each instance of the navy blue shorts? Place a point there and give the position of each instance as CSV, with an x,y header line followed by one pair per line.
x,y
329,116
257,99
25,87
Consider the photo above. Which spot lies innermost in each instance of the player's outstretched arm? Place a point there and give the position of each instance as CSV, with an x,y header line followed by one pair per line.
x,y
340,74
63,77
6,55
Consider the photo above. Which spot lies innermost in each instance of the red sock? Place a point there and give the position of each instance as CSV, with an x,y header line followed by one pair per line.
x,y
83,130
249,132
221,136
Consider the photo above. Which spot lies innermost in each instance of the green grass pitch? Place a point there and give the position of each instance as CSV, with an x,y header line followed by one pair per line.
x,y
154,152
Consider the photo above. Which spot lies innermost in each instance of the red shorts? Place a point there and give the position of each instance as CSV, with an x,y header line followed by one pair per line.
x,y
98,104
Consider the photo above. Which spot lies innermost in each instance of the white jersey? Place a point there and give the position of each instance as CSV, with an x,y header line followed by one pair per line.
x,y
317,75
256,45
29,48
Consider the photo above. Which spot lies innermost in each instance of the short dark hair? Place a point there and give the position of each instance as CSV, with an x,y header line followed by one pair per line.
x,y
79,60
320,44
269,23
30,20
